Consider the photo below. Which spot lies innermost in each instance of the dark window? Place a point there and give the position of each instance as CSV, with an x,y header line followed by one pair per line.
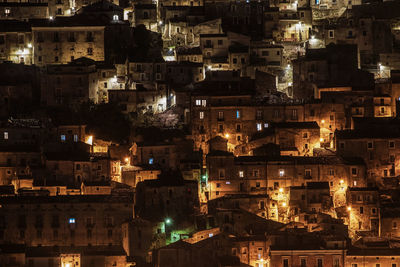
x,y
285,263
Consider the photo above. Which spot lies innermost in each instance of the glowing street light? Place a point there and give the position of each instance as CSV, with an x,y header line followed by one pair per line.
x,y
321,139
168,221
341,181
284,204
226,135
349,208
126,159
29,45
280,190
89,140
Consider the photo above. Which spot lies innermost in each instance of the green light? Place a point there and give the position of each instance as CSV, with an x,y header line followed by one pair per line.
x,y
168,221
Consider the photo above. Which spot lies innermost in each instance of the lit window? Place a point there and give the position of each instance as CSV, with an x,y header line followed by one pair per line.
x,y
63,138
5,135
201,115
7,11
266,125
354,183
237,114
281,173
75,138
204,103
115,17
151,160
71,220
228,182
198,102
241,174
259,126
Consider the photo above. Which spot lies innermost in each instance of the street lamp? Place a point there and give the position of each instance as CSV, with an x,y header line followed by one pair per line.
x,y
168,221
349,208
226,135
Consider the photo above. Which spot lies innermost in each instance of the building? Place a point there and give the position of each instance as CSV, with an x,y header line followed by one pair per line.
x,y
70,84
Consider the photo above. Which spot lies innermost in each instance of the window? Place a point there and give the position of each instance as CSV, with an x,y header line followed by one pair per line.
x,y
71,220
370,145
354,265
7,11
294,114
221,173
198,102
56,37
391,144
204,103
220,42
305,135
394,225
56,59
90,51
319,263
255,173
115,17
220,115
265,53
75,138
341,145
331,33
151,161
237,114
201,115
331,172
5,135
336,262
307,174
259,126
63,138
361,210
89,233
353,171
303,262
281,173
241,174
285,263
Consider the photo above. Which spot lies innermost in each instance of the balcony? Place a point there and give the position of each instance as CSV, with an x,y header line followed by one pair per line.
x,y
208,46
